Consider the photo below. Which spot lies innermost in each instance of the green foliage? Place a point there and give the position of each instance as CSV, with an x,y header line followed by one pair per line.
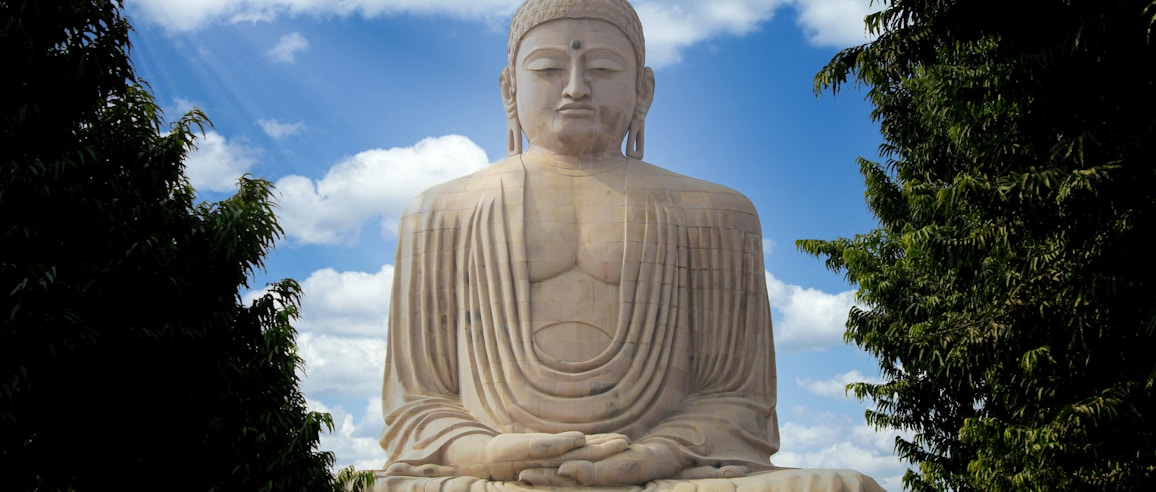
x,y
1007,291
127,357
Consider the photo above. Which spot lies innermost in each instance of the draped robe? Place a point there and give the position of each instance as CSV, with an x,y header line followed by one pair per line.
x,y
690,363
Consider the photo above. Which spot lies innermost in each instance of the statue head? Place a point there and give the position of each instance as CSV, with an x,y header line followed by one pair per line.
x,y
617,12
612,23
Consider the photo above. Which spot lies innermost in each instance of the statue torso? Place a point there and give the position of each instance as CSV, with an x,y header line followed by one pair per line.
x,y
575,230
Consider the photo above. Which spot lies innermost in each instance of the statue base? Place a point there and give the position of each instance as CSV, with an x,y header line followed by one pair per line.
x,y
779,480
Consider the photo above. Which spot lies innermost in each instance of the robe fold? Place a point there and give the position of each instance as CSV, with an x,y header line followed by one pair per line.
x,y
690,362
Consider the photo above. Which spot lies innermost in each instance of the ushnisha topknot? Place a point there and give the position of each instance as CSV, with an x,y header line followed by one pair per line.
x,y
617,12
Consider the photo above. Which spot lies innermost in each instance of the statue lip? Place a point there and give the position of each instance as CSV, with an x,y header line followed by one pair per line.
x,y
575,107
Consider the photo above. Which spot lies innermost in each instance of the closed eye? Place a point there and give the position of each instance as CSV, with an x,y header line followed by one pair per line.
x,y
544,65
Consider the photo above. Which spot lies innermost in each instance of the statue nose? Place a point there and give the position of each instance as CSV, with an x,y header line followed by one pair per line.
x,y
577,87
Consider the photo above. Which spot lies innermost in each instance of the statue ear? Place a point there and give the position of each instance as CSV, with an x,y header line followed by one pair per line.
x,y
513,127
635,136
645,93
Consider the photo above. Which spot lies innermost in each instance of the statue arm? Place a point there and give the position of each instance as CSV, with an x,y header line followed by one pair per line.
x,y
420,388
729,417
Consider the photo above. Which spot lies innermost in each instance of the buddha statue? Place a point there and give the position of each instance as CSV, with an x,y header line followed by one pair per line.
x,y
572,316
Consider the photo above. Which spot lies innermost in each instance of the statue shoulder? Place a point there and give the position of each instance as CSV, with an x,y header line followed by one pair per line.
x,y
697,194
462,192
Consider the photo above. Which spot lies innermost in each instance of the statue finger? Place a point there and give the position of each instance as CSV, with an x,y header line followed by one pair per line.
x,y
554,445
598,451
529,447
621,469
579,470
603,438
733,471
701,472
427,470
543,477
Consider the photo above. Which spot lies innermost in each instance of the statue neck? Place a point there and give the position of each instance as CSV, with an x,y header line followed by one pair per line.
x,y
572,165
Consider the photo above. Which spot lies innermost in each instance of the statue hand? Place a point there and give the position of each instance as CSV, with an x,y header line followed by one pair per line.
x,y
506,456
638,464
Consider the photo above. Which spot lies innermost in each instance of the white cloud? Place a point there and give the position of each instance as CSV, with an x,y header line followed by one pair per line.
x,y
836,386
338,364
342,331
278,130
354,440
811,319
670,25
342,338
837,23
346,303
373,184
837,443
217,163
350,367
287,48
189,15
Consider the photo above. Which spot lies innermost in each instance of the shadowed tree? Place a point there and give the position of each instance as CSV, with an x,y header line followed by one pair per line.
x,y
127,358
1008,291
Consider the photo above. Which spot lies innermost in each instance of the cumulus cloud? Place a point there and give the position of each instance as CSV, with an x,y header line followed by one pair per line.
x,y
372,184
342,330
837,443
810,318
278,130
346,303
189,15
354,440
342,368
834,387
342,339
670,25
348,367
217,163
837,23
287,48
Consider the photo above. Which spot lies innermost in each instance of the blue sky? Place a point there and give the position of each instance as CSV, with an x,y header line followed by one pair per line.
x,y
351,107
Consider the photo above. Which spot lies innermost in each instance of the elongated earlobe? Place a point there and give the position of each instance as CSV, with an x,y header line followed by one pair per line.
x,y
513,138
635,139
513,127
636,133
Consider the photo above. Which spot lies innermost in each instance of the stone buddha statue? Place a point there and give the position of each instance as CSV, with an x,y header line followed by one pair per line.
x,y
572,316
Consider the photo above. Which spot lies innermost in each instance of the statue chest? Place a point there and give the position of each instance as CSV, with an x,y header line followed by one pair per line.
x,y
576,224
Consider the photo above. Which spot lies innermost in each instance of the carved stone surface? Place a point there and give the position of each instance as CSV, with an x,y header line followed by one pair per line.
x,y
575,317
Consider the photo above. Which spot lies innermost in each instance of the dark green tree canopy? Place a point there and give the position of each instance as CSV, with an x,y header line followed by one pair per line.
x,y
1008,295
127,359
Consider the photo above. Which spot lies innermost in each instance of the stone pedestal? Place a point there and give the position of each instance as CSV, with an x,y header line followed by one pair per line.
x,y
781,480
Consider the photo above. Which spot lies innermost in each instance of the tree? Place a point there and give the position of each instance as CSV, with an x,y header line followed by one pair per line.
x,y
127,358
1008,291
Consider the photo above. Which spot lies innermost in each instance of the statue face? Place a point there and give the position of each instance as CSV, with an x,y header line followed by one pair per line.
x,y
575,85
